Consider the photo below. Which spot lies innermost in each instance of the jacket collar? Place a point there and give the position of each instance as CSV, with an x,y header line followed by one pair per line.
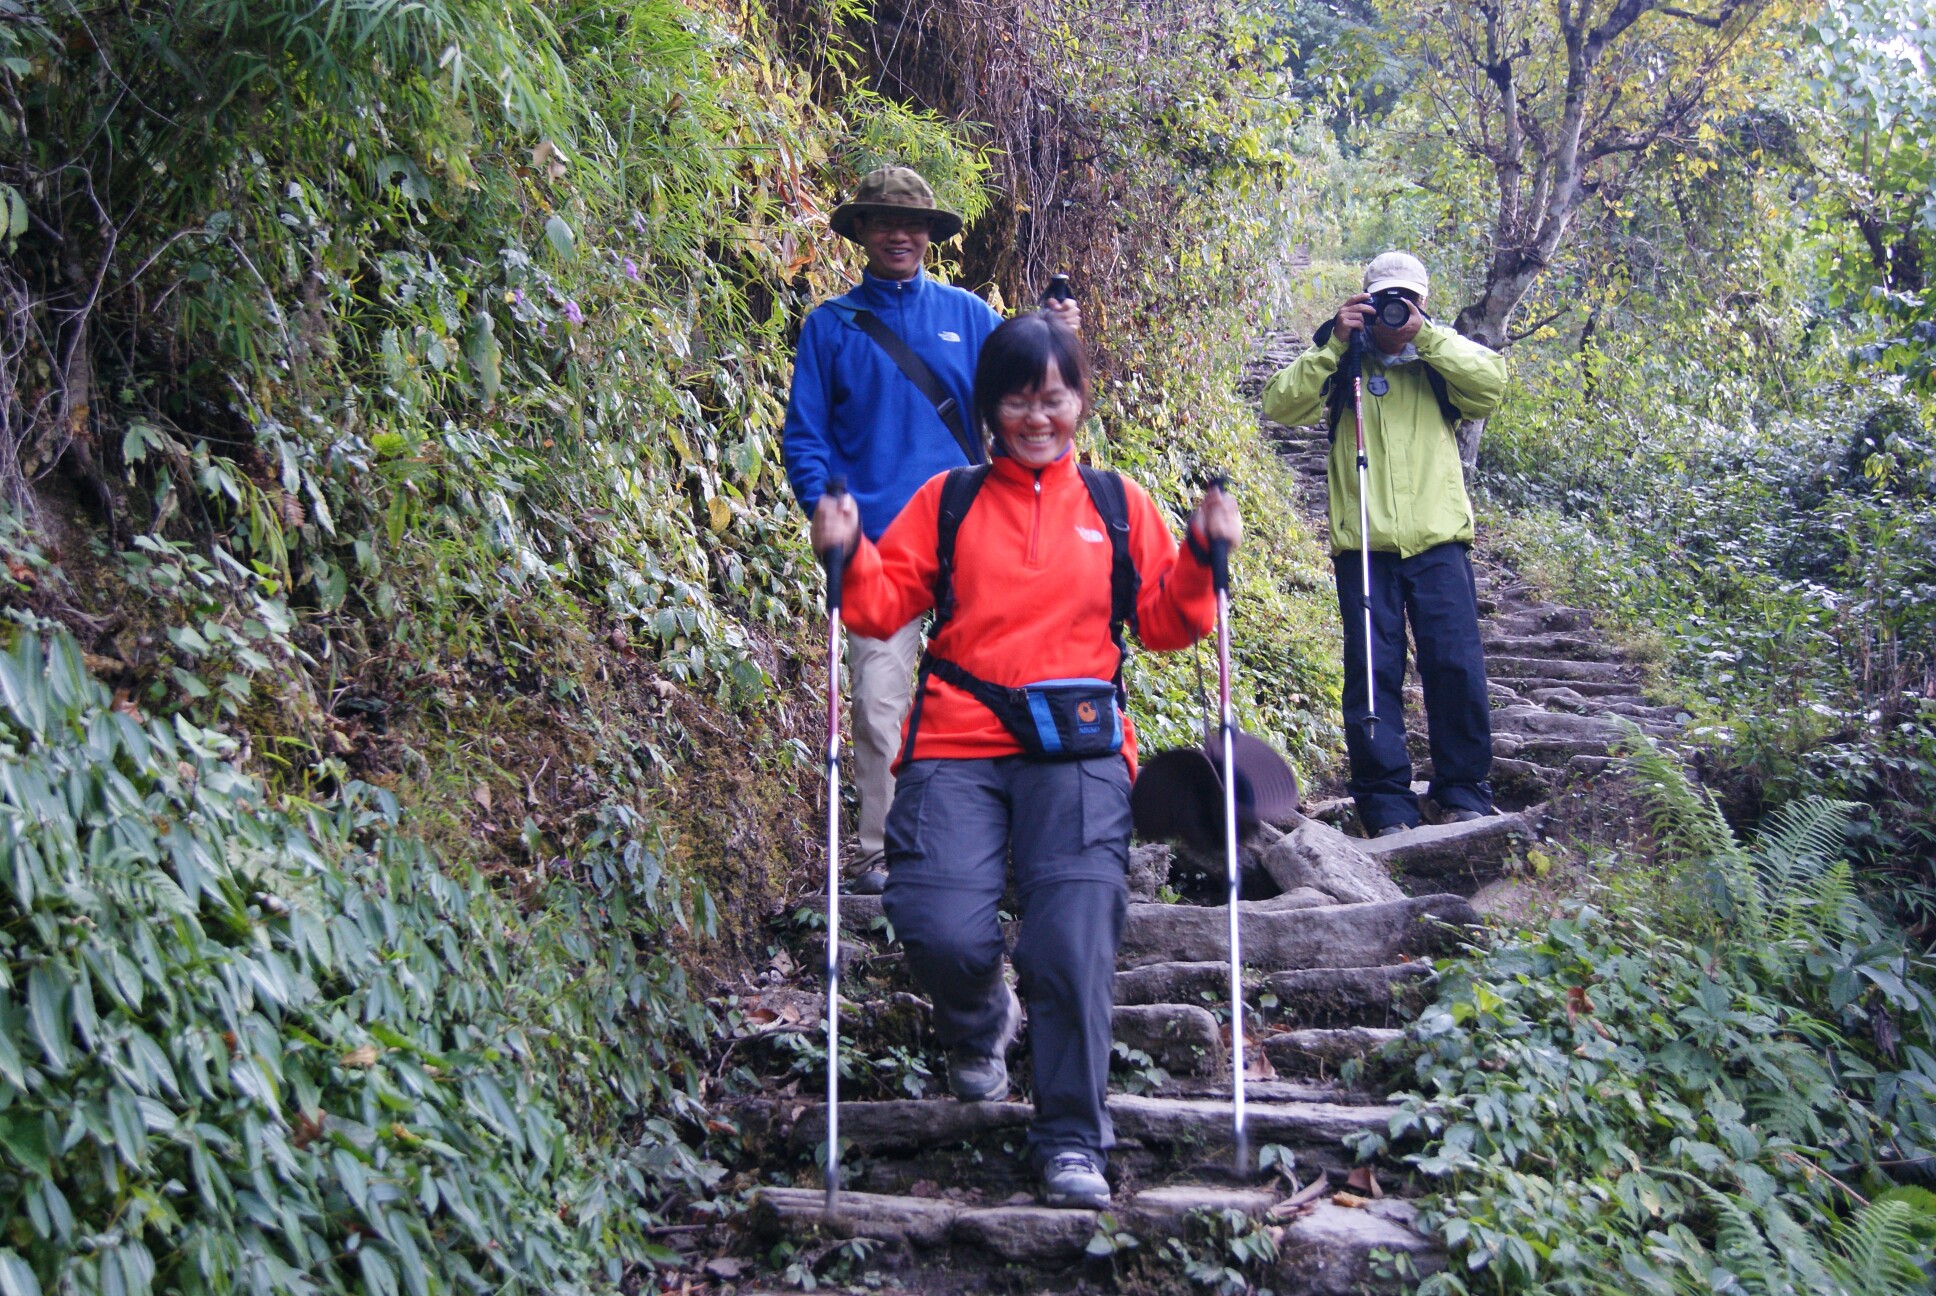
x,y
874,293
1009,470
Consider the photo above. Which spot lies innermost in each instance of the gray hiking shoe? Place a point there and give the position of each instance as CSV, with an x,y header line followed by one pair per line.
x,y
983,1077
1463,816
1072,1179
1392,830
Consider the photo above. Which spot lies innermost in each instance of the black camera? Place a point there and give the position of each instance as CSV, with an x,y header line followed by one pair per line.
x,y
1391,308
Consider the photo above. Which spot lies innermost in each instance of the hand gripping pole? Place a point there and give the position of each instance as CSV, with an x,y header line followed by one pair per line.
x,y
835,561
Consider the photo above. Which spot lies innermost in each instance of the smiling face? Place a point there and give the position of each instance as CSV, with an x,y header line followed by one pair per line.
x,y
895,244
1037,424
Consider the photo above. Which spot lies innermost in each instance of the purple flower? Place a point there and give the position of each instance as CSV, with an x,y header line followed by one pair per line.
x,y
572,312
631,269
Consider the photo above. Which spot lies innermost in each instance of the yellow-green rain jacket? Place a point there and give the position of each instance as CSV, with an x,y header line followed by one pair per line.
x,y
1418,497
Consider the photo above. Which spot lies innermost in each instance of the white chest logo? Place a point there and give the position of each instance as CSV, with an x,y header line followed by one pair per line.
x,y
949,335
1093,537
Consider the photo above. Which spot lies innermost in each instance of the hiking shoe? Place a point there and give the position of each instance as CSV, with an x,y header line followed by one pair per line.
x,y
871,882
1392,830
983,1077
1072,1179
1464,816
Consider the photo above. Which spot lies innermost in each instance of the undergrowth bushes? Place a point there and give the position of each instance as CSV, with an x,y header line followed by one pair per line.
x,y
256,1045
1709,1078
1779,556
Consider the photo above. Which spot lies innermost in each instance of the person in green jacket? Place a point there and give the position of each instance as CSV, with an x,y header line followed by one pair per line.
x,y
1419,380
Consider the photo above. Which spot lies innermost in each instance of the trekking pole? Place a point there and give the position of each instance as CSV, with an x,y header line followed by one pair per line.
x,y
1220,578
835,561
1364,512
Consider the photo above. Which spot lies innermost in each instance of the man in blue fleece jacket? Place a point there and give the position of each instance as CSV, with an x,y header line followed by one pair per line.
x,y
853,413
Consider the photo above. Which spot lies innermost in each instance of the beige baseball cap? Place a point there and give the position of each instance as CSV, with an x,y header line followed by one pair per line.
x,y
1397,270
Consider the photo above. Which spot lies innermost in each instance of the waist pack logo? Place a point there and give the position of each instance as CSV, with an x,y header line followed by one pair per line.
x,y
1088,718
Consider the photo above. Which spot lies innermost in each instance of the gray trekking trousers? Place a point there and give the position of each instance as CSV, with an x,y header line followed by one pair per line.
x,y
953,829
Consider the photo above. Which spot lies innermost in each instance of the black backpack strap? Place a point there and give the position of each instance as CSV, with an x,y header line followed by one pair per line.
x,y
958,491
1125,582
917,372
1337,386
1442,396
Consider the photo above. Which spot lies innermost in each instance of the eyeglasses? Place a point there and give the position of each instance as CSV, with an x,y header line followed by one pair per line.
x,y
1020,407
897,224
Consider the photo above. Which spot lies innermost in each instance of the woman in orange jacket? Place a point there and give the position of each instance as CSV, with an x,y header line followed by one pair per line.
x,y
1017,747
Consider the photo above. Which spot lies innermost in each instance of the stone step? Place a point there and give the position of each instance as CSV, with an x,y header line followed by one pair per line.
x,y
1329,935
1554,753
1517,784
1560,698
1271,1091
1315,1130
1342,1251
1017,1233
1577,647
1322,1050
1329,1250
1334,997
1642,713
1536,619
1174,983
1538,722
1319,996
1454,857
1559,670
1182,1038
1602,690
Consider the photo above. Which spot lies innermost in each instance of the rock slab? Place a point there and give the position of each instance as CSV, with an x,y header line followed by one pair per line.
x,y
1319,856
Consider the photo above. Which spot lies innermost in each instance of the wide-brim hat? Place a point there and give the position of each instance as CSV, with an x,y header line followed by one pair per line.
x,y
898,190
1178,795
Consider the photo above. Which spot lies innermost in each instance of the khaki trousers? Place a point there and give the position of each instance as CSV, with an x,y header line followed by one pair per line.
x,y
880,675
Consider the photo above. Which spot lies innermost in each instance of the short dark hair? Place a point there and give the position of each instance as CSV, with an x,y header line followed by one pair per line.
x,y
1016,357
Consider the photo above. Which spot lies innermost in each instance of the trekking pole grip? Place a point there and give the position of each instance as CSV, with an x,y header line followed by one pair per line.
x,y
1220,549
835,559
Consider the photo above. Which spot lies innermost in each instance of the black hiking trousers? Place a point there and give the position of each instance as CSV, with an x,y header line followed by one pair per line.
x,y
953,829
1434,592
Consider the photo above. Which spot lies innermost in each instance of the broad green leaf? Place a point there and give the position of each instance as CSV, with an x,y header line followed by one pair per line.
x,y
16,1277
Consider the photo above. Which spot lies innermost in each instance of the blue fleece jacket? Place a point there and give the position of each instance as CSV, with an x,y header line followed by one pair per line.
x,y
852,412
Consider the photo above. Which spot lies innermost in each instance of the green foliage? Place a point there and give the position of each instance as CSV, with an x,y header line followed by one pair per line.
x,y
1870,63
1685,1096
278,1047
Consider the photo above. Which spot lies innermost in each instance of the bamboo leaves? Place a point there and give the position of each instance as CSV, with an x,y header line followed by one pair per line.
x,y
241,1031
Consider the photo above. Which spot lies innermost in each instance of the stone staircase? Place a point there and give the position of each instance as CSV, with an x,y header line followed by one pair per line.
x,y
1334,962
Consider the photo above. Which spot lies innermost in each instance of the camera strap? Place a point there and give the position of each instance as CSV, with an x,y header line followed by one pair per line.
x,y
916,371
1337,388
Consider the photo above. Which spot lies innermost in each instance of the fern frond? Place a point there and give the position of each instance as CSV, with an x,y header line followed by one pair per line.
x,y
1687,823
1743,1251
1878,1251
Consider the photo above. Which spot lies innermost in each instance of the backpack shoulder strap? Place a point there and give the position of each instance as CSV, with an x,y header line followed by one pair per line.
x,y
1125,582
916,371
958,491
1447,409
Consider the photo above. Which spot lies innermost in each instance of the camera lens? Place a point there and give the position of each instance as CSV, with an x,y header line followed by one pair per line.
x,y
1393,312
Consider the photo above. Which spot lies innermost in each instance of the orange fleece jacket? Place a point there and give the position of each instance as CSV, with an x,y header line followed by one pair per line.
x,y
1031,594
